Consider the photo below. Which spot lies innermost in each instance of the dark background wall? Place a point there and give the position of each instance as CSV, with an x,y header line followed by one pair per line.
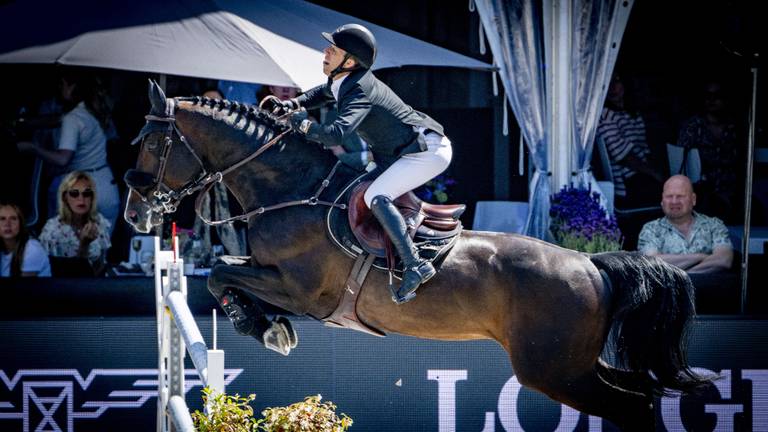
x,y
102,370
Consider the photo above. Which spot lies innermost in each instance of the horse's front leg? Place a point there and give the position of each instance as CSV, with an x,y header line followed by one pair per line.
x,y
229,285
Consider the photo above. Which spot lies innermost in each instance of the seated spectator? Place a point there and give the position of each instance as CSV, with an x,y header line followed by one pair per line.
x,y
82,141
714,133
20,255
280,92
622,130
213,93
79,230
692,241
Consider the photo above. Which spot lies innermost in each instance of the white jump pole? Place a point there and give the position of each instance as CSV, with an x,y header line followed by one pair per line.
x,y
179,413
177,329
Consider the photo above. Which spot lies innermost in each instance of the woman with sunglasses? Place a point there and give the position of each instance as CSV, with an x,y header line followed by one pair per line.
x,y
20,255
79,230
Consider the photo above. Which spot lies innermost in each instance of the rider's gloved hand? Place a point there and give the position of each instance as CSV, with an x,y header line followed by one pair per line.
x,y
275,105
299,121
289,104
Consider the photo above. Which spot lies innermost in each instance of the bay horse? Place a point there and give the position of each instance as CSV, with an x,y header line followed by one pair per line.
x,y
552,309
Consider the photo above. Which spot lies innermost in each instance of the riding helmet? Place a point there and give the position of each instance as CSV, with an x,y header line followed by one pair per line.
x,y
357,41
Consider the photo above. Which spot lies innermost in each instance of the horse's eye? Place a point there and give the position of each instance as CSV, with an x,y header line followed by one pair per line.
x,y
151,144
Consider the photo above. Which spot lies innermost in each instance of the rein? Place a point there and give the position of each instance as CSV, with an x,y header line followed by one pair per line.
x,y
312,201
167,201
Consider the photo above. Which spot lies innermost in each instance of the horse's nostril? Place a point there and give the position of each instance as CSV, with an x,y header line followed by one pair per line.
x,y
132,216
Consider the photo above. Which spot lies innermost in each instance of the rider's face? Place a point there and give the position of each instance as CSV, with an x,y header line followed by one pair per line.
x,y
332,59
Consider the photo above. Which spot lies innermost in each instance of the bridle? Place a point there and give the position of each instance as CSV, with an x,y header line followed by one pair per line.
x,y
165,199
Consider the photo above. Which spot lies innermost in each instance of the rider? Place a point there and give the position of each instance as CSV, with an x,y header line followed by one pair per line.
x,y
409,146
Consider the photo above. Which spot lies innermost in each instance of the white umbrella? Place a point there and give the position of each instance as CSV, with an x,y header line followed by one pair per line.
x,y
257,41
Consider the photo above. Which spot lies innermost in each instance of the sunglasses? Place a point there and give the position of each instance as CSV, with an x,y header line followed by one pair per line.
x,y
74,193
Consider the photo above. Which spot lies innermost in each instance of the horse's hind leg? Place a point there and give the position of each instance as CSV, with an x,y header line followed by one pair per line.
x,y
227,284
630,411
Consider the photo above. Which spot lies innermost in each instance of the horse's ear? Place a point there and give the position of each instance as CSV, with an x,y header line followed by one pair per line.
x,y
157,98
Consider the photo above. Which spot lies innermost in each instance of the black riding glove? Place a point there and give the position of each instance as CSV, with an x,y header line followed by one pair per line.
x,y
275,105
289,104
299,121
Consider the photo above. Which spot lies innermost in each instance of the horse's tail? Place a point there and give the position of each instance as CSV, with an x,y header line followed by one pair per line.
x,y
652,304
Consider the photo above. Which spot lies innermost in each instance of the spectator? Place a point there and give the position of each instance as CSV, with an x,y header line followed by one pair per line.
x,y
622,130
82,142
79,230
21,255
213,94
280,92
714,134
692,241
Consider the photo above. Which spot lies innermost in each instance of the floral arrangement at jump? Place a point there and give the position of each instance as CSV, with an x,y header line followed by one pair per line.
x,y
578,222
436,190
235,414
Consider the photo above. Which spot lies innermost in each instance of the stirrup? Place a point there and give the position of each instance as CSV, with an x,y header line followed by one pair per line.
x,y
395,291
424,271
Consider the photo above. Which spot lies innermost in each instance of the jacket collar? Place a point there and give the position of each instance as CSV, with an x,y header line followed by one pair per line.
x,y
352,79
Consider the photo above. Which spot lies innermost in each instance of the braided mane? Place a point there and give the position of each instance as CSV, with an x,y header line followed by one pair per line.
x,y
247,111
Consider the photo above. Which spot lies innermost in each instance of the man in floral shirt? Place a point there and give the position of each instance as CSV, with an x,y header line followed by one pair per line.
x,y
692,241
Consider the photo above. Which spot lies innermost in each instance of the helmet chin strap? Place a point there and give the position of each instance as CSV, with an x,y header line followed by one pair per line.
x,y
341,69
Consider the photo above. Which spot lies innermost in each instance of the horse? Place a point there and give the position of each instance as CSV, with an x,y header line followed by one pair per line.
x,y
553,310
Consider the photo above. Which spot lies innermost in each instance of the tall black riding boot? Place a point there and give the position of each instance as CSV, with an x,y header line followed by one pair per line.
x,y
415,270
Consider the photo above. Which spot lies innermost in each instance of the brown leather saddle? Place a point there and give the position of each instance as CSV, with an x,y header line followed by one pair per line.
x,y
434,228
423,219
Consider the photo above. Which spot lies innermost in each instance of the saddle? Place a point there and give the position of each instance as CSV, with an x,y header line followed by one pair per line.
x,y
424,220
434,229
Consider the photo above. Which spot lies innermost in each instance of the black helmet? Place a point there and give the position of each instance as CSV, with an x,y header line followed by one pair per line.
x,y
357,41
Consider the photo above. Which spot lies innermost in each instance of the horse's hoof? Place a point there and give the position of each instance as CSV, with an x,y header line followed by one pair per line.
x,y
293,337
277,339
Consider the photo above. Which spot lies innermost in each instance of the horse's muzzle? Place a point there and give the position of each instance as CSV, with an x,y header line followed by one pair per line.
x,y
139,214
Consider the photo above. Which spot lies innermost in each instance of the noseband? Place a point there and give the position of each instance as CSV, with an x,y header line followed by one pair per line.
x,y
164,199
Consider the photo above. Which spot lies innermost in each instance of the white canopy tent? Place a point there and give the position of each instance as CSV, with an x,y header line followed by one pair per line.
x,y
256,41
555,59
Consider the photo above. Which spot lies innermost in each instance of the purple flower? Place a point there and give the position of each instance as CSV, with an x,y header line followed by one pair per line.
x,y
579,222
435,189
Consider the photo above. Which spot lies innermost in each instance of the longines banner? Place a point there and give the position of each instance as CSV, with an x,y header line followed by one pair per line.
x,y
98,374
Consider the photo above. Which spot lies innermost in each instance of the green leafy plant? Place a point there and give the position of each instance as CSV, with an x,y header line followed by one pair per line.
x,y
578,222
234,414
308,416
228,413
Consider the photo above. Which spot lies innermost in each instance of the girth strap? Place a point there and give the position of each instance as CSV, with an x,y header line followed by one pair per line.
x,y
345,314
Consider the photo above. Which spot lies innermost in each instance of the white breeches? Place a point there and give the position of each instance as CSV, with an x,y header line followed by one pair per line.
x,y
412,170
